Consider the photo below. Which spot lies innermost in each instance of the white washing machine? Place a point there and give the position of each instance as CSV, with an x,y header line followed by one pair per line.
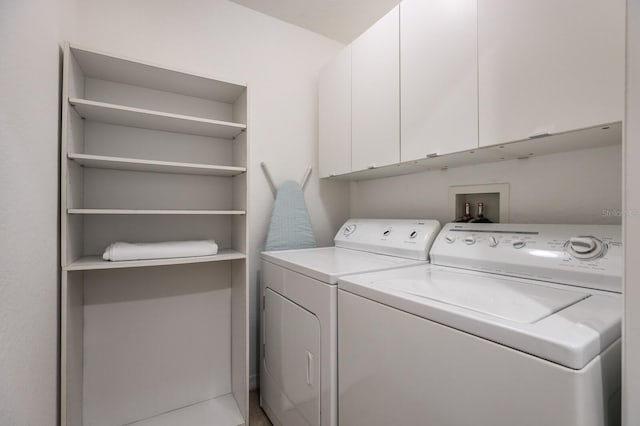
x,y
510,325
298,371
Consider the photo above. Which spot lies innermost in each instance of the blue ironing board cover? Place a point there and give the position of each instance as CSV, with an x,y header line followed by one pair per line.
x,y
290,226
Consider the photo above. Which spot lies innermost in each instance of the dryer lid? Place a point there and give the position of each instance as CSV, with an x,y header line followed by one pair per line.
x,y
327,264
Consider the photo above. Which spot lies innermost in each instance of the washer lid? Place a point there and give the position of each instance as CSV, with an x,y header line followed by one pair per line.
x,y
327,264
525,303
566,325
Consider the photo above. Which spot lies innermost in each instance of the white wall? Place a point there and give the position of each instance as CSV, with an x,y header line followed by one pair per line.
x,y
279,62
631,324
29,110
572,187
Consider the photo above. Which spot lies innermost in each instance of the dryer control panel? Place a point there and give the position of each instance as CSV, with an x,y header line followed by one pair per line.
x,y
582,255
405,238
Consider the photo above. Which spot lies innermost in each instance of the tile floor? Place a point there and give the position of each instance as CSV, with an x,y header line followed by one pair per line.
x,y
256,415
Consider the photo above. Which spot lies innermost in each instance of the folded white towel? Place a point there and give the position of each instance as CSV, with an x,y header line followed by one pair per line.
x,y
144,251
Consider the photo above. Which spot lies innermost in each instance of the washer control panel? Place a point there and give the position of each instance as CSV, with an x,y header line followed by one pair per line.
x,y
582,255
407,238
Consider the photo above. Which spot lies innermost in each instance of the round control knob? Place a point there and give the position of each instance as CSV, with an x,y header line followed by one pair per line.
x,y
450,239
386,232
493,242
349,229
585,247
519,244
413,234
469,240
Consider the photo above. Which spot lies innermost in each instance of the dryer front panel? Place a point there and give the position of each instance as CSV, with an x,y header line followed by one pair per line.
x,y
291,360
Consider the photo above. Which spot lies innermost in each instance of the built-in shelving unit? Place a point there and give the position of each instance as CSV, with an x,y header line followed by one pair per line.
x,y
152,154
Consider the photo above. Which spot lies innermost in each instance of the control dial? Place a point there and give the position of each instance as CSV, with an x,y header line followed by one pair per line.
x,y
585,247
469,240
413,234
493,242
450,239
518,244
349,229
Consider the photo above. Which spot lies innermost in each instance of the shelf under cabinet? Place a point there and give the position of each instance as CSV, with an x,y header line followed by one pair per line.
x,y
136,164
154,212
87,263
155,120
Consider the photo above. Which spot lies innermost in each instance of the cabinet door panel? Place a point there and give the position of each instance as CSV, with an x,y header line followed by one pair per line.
x,y
376,97
438,77
334,116
549,66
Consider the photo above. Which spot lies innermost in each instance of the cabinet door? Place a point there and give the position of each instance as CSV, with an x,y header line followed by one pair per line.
x,y
548,66
376,95
334,116
438,77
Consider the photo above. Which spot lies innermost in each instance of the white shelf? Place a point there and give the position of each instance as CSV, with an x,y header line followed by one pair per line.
x,y
88,263
105,66
135,164
220,411
159,212
155,120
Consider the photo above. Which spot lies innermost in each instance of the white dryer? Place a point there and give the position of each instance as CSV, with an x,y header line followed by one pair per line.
x,y
510,325
298,368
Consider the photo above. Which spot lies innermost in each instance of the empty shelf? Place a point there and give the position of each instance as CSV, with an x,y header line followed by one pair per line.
x,y
155,120
88,263
155,211
135,164
220,411
124,70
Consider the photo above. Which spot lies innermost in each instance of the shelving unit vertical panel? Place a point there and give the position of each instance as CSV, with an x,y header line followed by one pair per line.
x,y
71,174
239,335
72,355
65,124
240,268
71,317
74,77
75,183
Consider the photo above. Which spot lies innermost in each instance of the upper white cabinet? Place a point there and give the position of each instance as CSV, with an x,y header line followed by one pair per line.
x,y
375,95
549,66
438,77
334,116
